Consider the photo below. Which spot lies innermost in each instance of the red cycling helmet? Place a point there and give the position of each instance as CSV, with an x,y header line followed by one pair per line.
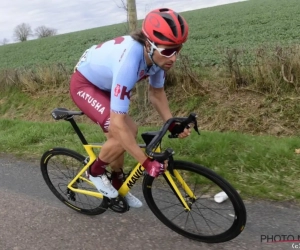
x,y
166,27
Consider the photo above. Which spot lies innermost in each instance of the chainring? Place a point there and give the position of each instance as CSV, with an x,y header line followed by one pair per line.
x,y
118,205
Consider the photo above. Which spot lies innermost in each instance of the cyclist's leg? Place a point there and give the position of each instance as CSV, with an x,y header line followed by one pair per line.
x,y
113,153
117,174
117,168
95,103
118,163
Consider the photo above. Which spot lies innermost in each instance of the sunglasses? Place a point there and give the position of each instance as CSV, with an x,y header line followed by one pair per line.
x,y
167,52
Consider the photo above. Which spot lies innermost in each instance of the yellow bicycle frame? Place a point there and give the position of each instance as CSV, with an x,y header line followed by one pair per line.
x,y
135,174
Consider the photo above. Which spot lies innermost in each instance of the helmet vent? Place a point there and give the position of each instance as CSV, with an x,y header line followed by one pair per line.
x,y
169,20
163,10
161,36
181,24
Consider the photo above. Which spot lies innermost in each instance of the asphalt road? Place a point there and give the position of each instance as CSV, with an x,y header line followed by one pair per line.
x,y
33,218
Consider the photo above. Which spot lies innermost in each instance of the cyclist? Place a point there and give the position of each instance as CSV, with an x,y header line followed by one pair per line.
x,y
101,85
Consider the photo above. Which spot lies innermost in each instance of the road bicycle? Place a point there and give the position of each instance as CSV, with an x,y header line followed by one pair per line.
x,y
182,198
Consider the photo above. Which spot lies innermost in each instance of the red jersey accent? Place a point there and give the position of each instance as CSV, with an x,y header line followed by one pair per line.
x,y
117,90
142,73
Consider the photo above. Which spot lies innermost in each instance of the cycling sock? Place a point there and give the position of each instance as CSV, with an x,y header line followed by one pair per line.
x,y
117,179
98,167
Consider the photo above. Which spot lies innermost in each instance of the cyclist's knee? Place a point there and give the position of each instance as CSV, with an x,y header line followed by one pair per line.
x,y
114,142
118,147
133,128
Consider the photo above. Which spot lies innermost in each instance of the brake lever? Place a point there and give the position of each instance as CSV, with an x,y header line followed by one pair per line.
x,y
185,124
161,157
196,127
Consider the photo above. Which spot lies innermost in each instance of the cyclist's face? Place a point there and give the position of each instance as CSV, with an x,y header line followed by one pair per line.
x,y
165,55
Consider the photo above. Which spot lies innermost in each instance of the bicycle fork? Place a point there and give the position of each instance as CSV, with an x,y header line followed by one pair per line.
x,y
168,178
185,187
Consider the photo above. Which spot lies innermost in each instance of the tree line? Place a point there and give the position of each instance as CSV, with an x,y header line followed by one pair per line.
x,y
23,31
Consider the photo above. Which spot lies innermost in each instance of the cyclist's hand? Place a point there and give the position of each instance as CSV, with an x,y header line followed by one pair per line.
x,y
176,128
186,132
154,168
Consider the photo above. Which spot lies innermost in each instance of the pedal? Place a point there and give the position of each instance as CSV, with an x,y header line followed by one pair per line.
x,y
118,205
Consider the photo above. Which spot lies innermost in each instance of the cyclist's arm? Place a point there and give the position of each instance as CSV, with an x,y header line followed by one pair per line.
x,y
124,79
120,130
157,95
158,98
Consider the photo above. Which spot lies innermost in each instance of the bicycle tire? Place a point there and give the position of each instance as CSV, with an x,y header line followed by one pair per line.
x,y
206,204
79,202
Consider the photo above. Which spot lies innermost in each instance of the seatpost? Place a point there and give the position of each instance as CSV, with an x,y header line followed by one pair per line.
x,y
77,130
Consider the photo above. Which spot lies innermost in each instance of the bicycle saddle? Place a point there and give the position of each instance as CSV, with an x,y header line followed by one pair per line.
x,y
63,113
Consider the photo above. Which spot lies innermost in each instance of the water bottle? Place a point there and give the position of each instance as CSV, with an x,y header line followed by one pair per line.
x,y
220,197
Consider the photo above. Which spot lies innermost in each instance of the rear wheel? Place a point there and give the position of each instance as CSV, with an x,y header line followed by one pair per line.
x,y
59,166
207,220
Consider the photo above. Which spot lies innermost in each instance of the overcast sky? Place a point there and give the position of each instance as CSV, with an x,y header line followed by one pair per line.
x,y
68,16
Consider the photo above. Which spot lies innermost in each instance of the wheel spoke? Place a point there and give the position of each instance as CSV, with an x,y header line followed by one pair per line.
x,y
176,216
214,211
194,221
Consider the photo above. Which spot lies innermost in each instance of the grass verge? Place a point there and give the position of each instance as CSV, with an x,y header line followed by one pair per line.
x,y
260,167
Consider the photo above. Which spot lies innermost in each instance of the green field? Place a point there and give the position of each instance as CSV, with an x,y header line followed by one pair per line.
x,y
245,25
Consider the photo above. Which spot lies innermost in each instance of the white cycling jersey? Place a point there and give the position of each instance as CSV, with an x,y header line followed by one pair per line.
x,y
116,66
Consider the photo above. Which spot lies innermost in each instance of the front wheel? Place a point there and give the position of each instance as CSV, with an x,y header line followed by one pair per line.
x,y
207,220
59,166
